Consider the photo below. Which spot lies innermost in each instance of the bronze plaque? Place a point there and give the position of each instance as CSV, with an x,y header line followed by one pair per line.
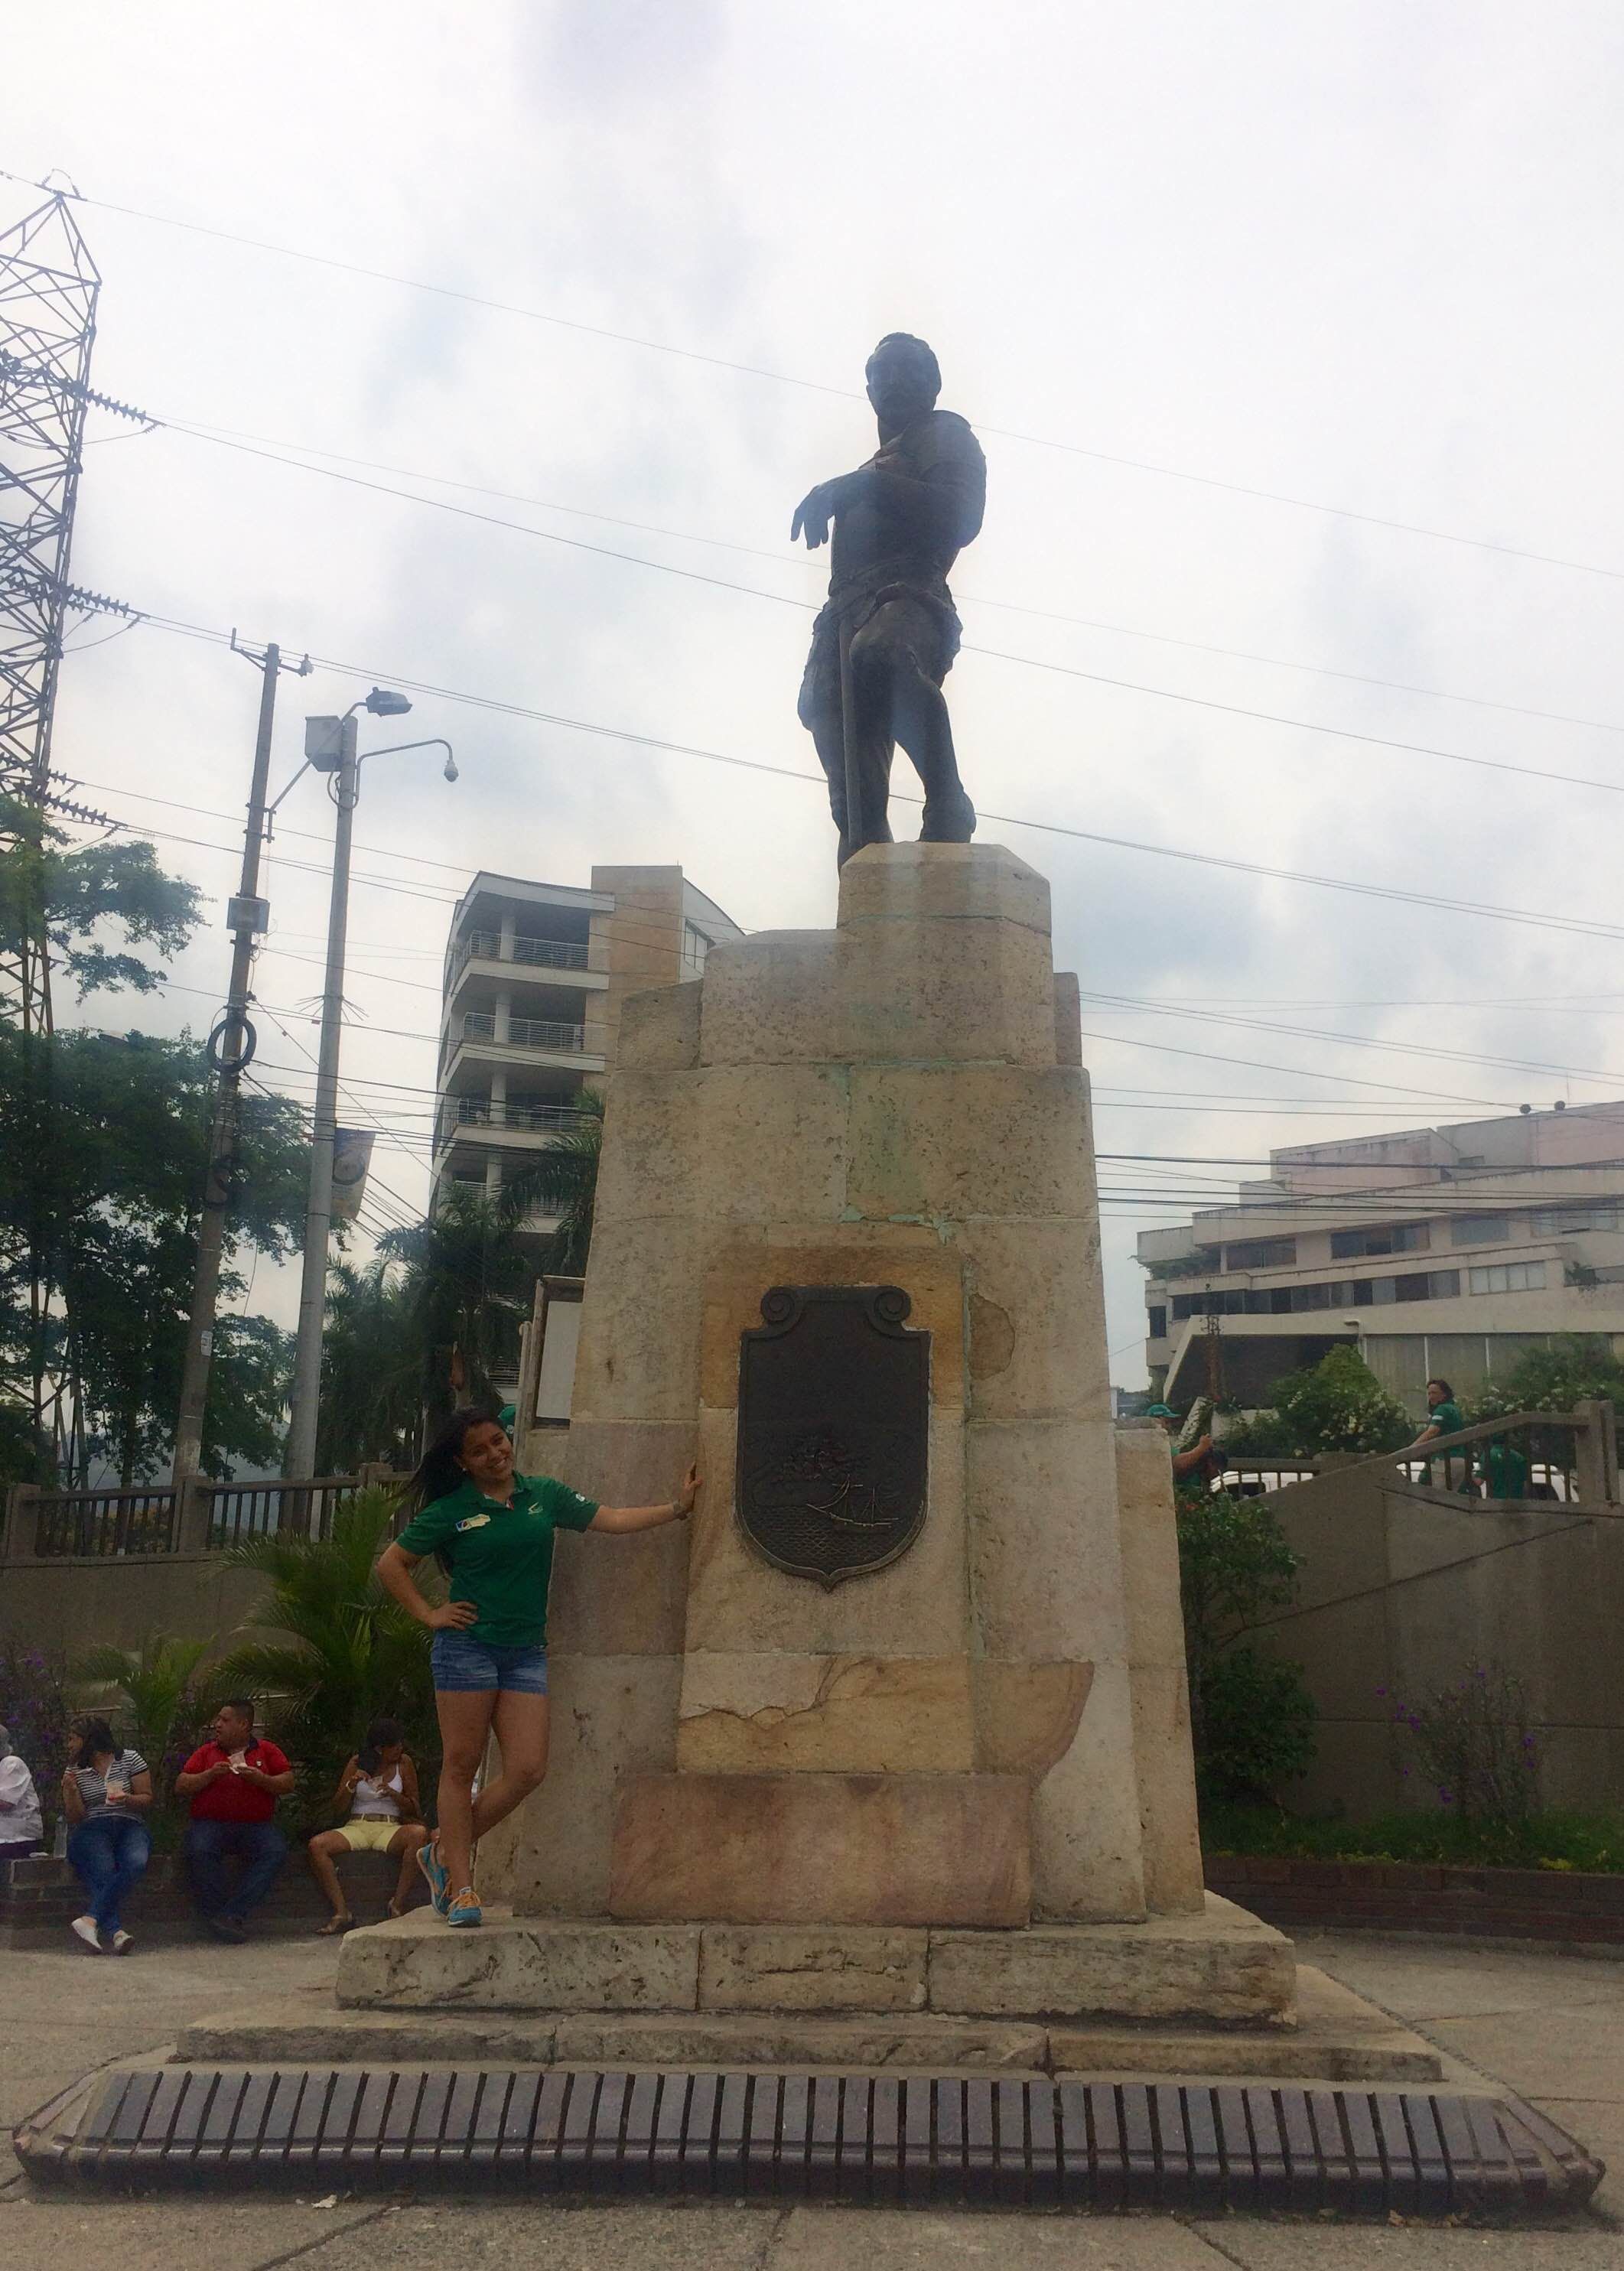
x,y
834,1423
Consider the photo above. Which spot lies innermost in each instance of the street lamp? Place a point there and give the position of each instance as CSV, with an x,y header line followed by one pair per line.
x,y
330,747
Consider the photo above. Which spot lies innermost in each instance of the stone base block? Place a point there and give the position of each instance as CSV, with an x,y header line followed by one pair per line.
x,y
1340,2038
921,1850
1221,1969
519,1964
1221,1965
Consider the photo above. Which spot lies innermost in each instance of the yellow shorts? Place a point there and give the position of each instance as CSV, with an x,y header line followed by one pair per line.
x,y
366,1836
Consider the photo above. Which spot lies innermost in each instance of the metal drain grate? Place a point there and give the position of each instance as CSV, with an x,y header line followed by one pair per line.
x,y
1096,2145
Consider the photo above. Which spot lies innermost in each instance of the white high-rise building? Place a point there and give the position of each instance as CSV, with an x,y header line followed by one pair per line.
x,y
535,974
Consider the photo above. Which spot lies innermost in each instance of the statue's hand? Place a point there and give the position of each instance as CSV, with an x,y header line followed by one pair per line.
x,y
812,515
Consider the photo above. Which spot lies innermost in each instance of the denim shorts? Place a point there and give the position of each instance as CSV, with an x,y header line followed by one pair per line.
x,y
465,1666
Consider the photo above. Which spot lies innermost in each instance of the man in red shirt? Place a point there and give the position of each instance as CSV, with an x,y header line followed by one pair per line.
x,y
233,1783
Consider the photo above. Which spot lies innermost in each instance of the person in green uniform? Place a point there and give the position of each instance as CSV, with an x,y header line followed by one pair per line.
x,y
492,1531
1444,1417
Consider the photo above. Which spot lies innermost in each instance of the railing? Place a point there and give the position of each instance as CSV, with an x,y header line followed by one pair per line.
x,y
130,1525
105,1522
1563,1457
538,953
479,1111
523,1032
1566,1457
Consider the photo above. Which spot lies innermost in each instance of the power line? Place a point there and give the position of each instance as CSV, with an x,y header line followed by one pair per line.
x,y
1352,1040
1572,926
201,429
817,386
995,654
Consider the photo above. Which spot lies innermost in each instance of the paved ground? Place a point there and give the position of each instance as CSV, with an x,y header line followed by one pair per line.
x,y
1551,2027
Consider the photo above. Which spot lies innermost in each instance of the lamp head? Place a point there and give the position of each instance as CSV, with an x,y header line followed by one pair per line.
x,y
383,702
450,769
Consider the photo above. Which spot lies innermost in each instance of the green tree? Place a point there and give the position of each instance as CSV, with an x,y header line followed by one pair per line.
x,y
118,883
103,1143
343,1652
459,1281
563,1180
1251,1717
1337,1405
465,1287
372,1370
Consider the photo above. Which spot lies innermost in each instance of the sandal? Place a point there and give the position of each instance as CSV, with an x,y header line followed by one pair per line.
x,y
345,1923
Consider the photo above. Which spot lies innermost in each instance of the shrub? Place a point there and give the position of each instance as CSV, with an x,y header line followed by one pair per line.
x,y
170,1692
1337,1405
1472,1745
34,1704
1575,1366
1251,1716
347,1653
1257,1726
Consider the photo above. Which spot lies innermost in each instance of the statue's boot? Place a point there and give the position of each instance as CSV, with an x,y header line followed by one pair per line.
x,y
949,818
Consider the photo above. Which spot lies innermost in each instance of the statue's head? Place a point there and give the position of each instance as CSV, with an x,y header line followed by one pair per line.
x,y
903,380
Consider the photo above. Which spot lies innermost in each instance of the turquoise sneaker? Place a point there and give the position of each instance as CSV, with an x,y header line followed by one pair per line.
x,y
435,1875
465,1908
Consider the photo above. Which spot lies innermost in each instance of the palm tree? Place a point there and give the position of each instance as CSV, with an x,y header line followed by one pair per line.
x,y
344,1653
466,1278
371,1370
168,1690
563,1180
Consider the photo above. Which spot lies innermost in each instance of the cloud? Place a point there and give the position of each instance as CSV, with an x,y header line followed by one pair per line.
x,y
1349,254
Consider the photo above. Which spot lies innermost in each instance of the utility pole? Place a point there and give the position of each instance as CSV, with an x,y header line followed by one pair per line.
x,y
330,747
301,1452
231,1047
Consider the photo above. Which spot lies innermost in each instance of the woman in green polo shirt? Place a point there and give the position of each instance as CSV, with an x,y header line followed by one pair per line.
x,y
492,1531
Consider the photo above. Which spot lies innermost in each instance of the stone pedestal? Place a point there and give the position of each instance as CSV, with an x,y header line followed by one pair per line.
x,y
993,1731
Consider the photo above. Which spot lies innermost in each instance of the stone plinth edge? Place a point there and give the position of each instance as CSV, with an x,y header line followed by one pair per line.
x,y
1222,1968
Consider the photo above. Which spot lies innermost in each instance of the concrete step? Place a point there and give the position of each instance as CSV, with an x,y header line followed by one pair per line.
x,y
1340,2038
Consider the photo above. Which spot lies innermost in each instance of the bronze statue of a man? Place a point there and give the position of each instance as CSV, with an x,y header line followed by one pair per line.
x,y
887,636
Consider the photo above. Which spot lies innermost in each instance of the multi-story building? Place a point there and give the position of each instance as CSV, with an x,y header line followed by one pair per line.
x,y
1438,1251
535,975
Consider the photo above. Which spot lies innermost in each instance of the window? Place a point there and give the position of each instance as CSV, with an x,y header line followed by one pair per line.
x,y
1157,1316
1481,1229
1384,1238
695,946
1263,1254
1507,1277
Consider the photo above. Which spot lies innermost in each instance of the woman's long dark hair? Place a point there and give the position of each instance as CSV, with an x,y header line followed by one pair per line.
x,y
440,1470
96,1736
382,1735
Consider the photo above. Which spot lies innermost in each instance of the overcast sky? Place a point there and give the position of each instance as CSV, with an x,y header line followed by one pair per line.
x,y
1365,256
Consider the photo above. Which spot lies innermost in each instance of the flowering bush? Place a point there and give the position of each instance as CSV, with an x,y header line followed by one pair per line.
x,y
34,1704
1338,1405
1470,1743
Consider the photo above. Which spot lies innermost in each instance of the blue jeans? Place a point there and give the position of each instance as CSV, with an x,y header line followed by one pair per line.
x,y
110,1856
462,1665
259,1845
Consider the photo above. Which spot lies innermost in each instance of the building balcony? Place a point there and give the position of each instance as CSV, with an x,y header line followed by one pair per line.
x,y
505,1127
536,953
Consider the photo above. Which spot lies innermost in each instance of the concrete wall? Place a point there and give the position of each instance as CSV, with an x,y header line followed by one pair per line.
x,y
1400,1592
67,1605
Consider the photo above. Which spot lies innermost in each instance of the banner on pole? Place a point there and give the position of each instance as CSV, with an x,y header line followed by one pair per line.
x,y
352,1155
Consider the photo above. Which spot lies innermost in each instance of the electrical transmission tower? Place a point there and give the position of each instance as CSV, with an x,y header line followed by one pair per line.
x,y
48,285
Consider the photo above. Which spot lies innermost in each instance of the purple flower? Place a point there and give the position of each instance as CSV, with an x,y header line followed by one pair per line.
x,y
1443,1797
1381,1691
